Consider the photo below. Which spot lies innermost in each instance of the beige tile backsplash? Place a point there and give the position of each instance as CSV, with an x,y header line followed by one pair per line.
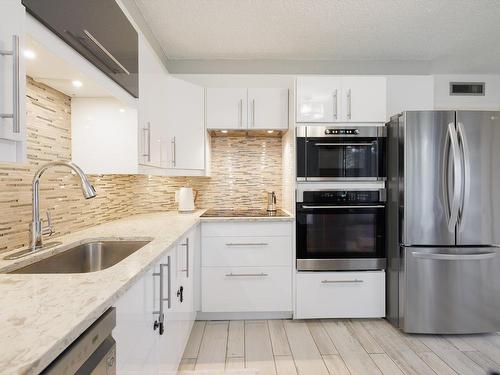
x,y
243,170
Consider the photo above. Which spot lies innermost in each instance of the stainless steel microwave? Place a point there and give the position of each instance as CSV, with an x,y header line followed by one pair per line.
x,y
329,153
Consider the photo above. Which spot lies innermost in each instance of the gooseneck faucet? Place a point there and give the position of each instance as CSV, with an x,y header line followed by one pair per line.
x,y
36,228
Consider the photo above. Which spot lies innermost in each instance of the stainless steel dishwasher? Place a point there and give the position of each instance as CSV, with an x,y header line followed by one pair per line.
x,y
94,352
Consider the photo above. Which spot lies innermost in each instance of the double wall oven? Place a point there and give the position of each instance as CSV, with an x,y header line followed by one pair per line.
x,y
340,226
341,154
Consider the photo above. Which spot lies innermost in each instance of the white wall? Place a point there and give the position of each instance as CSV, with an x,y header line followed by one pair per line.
x,y
407,93
443,99
103,136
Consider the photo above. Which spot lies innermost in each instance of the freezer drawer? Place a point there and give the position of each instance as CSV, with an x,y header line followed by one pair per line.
x,y
451,290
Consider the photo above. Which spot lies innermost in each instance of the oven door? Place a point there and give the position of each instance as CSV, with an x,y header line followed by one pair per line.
x,y
343,158
333,238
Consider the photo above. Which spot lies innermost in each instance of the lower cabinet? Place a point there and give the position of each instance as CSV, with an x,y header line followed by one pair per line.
x,y
340,295
246,267
147,343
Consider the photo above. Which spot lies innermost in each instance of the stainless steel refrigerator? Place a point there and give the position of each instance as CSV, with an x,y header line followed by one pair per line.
x,y
443,228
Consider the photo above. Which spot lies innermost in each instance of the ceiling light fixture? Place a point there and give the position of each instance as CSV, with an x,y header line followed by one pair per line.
x,y
77,83
29,54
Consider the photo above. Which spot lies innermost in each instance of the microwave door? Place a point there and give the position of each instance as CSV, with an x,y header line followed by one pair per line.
x,y
325,159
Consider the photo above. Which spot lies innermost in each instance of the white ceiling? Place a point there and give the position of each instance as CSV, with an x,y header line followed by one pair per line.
x,y
436,35
53,71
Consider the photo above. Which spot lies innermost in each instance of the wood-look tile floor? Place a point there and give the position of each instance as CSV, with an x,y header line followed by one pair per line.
x,y
328,347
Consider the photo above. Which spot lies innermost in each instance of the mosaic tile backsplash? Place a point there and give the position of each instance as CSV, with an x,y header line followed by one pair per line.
x,y
243,170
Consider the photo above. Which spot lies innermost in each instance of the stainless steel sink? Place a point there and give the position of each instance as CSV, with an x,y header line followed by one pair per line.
x,y
88,257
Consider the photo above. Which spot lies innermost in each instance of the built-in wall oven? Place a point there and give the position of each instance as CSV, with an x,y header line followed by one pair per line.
x,y
334,153
340,230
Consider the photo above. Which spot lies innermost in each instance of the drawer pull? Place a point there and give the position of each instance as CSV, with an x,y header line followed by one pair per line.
x,y
247,244
247,274
341,281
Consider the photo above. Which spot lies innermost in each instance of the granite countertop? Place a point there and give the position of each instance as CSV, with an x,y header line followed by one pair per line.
x,y
248,215
42,314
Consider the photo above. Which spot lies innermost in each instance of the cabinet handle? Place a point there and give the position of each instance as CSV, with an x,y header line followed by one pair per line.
x,y
253,113
240,111
247,244
187,257
159,323
349,104
106,52
174,152
335,109
16,126
147,140
246,274
341,281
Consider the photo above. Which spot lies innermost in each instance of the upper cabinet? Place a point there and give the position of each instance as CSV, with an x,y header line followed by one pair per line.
x,y
12,82
99,31
226,108
330,99
245,109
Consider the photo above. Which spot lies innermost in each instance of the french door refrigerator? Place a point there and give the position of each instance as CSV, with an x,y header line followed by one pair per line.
x,y
443,221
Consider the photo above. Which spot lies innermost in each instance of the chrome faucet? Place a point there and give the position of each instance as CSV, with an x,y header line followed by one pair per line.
x,y
36,229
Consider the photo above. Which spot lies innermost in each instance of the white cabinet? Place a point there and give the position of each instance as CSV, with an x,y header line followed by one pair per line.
x,y
340,295
141,349
185,122
12,82
318,99
364,99
226,108
245,109
152,109
268,108
246,267
330,99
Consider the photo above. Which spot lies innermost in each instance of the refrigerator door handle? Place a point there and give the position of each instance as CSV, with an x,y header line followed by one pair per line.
x,y
465,160
438,256
457,178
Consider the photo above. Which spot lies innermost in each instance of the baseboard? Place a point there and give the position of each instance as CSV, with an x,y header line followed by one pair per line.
x,y
251,315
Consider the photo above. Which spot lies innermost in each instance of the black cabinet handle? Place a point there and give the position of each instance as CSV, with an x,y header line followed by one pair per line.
x,y
180,294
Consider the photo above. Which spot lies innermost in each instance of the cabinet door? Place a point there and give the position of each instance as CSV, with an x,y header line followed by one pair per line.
x,y
12,82
318,99
268,108
136,341
185,121
226,108
152,111
364,99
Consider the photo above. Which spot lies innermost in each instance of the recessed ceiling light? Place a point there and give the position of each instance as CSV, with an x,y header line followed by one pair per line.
x,y
270,131
77,83
29,54
224,131
122,110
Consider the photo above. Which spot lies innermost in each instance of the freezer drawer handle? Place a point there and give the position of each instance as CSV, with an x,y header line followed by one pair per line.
x,y
346,144
478,256
341,281
335,207
247,244
247,274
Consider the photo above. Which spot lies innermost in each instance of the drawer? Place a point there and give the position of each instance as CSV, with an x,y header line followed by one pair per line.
x,y
340,295
247,289
246,229
247,251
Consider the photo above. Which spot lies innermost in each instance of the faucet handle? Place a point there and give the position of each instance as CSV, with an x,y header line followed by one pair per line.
x,y
49,229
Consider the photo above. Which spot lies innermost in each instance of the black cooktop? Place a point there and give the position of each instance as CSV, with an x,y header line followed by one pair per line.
x,y
244,213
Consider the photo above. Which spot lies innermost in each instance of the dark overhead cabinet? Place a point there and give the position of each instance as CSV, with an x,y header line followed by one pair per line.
x,y
99,31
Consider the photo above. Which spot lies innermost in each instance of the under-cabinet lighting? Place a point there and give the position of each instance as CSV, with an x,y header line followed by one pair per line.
x,y
224,131
270,131
77,83
29,54
122,110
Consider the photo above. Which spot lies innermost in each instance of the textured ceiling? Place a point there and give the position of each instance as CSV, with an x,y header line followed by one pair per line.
x,y
455,32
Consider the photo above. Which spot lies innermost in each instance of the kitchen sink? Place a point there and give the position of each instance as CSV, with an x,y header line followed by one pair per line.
x,y
88,257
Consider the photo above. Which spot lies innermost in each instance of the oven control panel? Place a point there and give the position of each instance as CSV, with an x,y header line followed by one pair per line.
x,y
342,197
341,131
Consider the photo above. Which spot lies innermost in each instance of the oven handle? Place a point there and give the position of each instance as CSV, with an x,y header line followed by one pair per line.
x,y
335,207
346,144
